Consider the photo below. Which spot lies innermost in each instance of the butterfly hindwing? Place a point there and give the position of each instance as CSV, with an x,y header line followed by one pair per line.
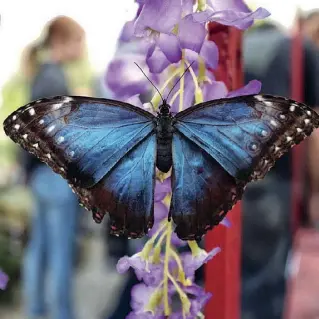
x,y
89,141
127,192
247,134
202,191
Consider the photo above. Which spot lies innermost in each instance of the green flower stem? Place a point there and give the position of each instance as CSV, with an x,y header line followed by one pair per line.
x,y
174,97
158,248
194,247
198,90
145,253
201,70
186,305
181,273
156,299
201,5
156,100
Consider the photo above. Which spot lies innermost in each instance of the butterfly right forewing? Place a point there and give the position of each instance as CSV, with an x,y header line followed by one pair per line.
x,y
225,144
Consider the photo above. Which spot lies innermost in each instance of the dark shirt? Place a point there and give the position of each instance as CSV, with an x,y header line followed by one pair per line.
x,y
267,58
49,81
267,203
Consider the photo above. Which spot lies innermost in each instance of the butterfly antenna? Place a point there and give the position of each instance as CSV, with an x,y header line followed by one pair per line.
x,y
179,79
151,82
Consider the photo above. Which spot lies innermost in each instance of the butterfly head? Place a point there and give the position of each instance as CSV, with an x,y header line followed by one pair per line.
x,y
164,109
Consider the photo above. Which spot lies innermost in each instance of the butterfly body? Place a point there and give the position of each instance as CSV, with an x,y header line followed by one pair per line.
x,y
109,150
164,138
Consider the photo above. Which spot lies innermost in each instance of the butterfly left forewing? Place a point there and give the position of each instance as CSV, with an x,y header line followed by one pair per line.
x,y
89,141
80,138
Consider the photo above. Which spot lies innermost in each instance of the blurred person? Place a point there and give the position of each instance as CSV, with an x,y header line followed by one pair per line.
x,y
267,203
310,29
310,26
56,64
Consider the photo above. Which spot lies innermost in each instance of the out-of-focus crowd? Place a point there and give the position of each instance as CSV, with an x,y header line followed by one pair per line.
x,y
41,224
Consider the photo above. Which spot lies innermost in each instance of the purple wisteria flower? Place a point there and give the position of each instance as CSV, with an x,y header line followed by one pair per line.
x,y
4,279
198,298
123,77
230,12
155,23
141,293
165,37
170,33
151,273
212,90
226,222
135,261
192,263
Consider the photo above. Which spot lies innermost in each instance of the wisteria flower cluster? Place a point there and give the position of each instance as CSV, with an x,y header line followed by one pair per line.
x,y
4,279
166,38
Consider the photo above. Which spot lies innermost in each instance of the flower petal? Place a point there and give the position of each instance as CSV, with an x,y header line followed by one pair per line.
x,y
191,34
238,19
169,45
157,62
253,87
162,189
177,242
4,279
188,92
211,254
236,5
154,277
226,222
198,298
134,100
187,7
135,261
214,91
158,15
127,31
160,211
123,265
192,263
140,297
209,52
124,78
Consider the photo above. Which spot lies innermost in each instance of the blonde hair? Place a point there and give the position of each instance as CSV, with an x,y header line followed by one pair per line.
x,y
62,28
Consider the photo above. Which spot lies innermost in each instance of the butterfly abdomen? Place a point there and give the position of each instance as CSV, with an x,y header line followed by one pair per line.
x,y
164,135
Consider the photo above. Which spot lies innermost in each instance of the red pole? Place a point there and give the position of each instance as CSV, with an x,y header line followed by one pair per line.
x,y
297,93
223,274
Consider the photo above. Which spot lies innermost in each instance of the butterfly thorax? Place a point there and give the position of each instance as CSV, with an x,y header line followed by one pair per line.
x,y
164,134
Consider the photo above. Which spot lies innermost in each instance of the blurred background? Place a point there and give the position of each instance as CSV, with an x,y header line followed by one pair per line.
x,y
64,47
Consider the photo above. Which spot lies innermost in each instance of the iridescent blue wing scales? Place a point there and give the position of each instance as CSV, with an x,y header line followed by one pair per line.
x,y
203,191
127,192
247,134
89,141
232,141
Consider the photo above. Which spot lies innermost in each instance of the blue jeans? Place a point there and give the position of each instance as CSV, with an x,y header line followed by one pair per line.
x,y
51,248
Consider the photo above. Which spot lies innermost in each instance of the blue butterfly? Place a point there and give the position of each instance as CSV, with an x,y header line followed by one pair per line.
x,y
109,151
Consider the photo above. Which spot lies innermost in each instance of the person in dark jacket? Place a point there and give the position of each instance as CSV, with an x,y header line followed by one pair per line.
x,y
267,203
